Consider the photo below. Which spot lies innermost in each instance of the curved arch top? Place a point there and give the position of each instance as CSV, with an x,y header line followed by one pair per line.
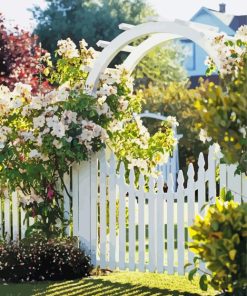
x,y
160,31
148,114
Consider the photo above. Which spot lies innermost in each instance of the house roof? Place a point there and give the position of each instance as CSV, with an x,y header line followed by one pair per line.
x,y
232,21
224,17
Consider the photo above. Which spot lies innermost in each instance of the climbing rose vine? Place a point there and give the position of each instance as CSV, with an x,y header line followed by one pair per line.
x,y
42,135
222,108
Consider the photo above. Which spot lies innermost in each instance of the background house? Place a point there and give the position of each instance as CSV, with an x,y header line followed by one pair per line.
x,y
225,22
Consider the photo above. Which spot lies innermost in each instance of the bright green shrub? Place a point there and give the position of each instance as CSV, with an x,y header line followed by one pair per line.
x,y
220,240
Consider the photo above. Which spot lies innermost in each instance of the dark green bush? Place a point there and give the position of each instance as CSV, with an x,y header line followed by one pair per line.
x,y
39,259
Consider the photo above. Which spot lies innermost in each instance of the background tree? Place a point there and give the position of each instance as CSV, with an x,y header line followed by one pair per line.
x,y
19,57
162,66
164,83
88,19
178,100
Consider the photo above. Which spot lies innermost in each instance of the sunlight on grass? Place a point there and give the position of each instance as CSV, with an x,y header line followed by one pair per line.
x,y
117,283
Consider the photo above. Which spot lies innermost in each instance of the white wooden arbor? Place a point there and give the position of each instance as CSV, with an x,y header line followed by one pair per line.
x,y
157,33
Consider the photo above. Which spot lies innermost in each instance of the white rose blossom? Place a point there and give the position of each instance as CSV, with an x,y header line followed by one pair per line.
x,y
203,136
67,48
34,153
172,121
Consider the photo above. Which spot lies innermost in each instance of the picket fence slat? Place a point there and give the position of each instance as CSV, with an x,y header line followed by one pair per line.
x,y
141,224
7,226
151,225
180,222
170,226
201,192
131,226
112,212
15,215
244,188
94,210
103,237
1,217
191,203
223,176
23,223
234,182
211,174
160,225
201,185
75,195
122,215
66,203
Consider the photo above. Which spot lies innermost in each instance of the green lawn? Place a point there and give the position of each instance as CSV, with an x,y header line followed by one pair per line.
x,y
118,284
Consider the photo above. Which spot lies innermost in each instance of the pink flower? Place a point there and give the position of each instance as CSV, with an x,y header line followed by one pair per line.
x,y
33,212
50,192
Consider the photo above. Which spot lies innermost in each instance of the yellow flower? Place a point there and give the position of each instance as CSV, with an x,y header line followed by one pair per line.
x,y
232,254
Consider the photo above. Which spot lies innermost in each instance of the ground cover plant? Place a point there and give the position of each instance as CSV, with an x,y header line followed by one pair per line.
x,y
40,259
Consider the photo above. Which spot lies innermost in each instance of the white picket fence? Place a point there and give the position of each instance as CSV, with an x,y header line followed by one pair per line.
x,y
133,224
142,227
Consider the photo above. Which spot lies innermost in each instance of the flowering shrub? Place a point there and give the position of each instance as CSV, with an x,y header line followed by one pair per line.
x,y
222,108
20,58
42,135
142,151
220,240
41,259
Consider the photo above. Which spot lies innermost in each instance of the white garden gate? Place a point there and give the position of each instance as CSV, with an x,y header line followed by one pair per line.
x,y
134,224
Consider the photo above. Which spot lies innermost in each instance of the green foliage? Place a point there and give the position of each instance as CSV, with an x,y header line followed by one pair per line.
x,y
134,143
220,240
222,111
162,66
177,100
222,108
39,259
88,19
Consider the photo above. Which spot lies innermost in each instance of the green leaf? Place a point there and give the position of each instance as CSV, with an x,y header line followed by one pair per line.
x,y
196,258
229,196
192,273
203,282
187,265
215,225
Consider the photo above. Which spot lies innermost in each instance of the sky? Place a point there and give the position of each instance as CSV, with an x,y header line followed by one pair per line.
x,y
16,10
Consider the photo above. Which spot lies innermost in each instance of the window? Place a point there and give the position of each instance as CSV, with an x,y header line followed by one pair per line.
x,y
190,53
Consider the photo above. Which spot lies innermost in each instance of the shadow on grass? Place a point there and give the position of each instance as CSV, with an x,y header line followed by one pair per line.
x,y
89,287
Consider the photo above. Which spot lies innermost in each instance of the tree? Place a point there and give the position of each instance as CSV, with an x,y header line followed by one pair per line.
x,y
177,100
88,19
162,66
19,58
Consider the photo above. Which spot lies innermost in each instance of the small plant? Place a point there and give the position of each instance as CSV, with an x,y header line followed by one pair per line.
x,y
220,240
39,259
